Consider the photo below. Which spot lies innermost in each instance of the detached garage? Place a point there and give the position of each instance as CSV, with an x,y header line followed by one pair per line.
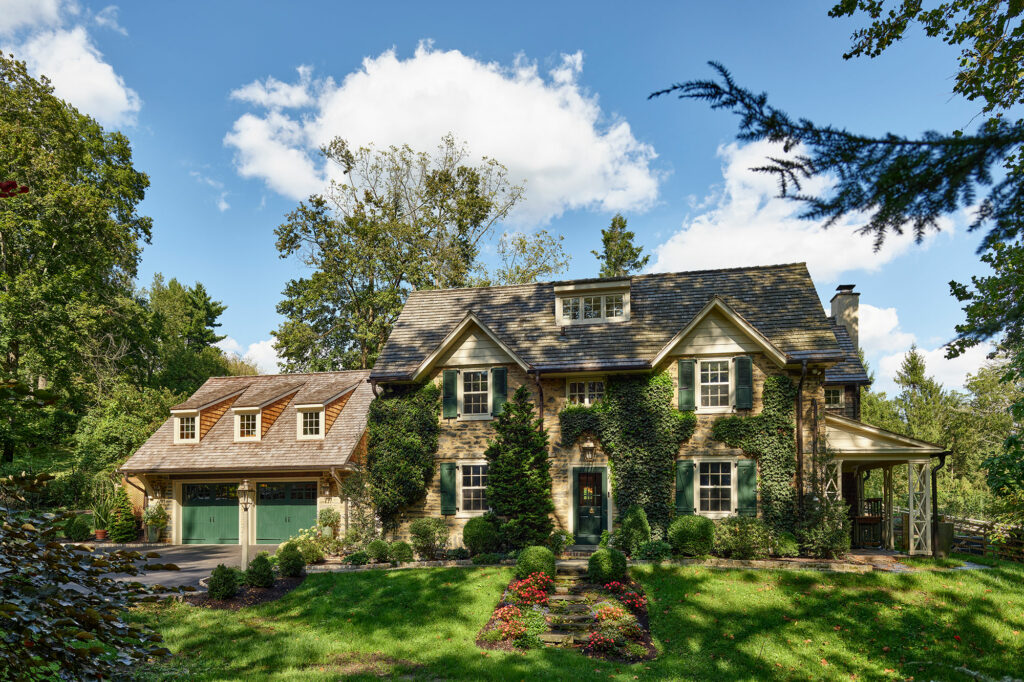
x,y
294,437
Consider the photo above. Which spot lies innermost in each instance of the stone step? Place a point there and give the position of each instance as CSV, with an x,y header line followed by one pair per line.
x,y
563,608
567,597
565,636
573,626
570,571
556,638
579,617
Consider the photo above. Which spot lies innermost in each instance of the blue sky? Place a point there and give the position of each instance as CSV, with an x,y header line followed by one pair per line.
x,y
226,102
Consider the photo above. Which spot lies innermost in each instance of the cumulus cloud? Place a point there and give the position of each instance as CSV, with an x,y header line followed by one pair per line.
x,y
261,354
546,128
744,223
879,330
52,39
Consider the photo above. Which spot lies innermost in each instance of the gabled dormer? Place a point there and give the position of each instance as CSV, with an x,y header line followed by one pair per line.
x,y
196,416
592,302
257,410
314,417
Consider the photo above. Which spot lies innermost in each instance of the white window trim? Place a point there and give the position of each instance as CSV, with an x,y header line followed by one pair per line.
x,y
583,379
461,513
299,411
722,409
732,461
842,397
238,412
177,427
561,321
463,417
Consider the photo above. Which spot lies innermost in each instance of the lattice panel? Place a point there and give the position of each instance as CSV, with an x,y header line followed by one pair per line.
x,y
834,479
919,475
888,534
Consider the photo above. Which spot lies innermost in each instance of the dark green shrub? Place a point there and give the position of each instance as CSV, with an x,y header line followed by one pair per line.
x,y
606,539
559,540
76,529
223,583
536,559
786,545
329,517
429,537
377,550
633,531
400,552
122,522
480,536
606,565
358,558
289,560
692,535
457,554
260,573
824,532
484,559
742,537
655,550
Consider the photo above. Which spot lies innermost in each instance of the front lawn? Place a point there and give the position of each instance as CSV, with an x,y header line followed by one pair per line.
x,y
706,624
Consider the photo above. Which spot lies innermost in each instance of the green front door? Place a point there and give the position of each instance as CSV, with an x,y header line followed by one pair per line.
x,y
283,510
209,514
591,505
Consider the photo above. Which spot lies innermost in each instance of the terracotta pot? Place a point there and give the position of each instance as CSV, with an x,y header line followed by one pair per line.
x,y
101,534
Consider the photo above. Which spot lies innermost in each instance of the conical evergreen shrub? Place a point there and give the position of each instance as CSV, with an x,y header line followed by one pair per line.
x,y
123,526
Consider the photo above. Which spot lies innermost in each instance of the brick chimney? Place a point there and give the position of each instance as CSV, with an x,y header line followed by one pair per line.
x,y
846,310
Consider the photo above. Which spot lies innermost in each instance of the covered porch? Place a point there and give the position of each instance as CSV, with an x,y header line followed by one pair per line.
x,y
859,451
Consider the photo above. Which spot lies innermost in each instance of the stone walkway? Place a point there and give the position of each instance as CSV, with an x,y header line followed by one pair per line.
x,y
574,616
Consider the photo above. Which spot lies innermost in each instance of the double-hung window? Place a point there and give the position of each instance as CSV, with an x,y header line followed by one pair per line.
x,y
585,392
714,383
247,425
714,483
311,424
187,428
833,398
475,393
473,488
592,308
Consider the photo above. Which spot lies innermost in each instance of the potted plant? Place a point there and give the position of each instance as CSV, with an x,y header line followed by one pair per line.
x,y
102,504
155,518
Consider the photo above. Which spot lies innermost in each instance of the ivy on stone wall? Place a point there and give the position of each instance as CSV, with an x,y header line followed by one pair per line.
x,y
641,432
769,437
403,436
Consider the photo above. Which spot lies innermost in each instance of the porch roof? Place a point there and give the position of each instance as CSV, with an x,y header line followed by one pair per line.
x,y
851,440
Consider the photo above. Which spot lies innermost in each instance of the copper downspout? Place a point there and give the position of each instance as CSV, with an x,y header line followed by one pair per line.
x,y
800,438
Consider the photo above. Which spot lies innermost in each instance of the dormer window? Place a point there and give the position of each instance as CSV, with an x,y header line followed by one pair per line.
x,y
310,423
592,302
186,427
248,424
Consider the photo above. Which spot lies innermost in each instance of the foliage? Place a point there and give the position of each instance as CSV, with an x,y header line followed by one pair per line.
x,y
654,550
532,588
313,543
289,560
377,550
618,256
399,220
769,438
786,545
641,432
692,535
527,258
486,559
77,529
456,554
606,540
634,530
429,537
260,573
559,540
362,519
606,565
359,558
480,535
521,625
743,537
535,559
123,526
155,515
102,503
518,474
400,552
824,532
329,517
61,611
223,583
403,430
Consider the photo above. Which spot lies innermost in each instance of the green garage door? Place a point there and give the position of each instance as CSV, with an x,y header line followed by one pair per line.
x,y
284,509
209,514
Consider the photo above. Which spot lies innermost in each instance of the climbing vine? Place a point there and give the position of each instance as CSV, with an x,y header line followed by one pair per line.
x,y
768,437
403,435
641,432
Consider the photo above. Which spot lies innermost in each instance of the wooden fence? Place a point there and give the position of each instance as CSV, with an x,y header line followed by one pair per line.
x,y
972,536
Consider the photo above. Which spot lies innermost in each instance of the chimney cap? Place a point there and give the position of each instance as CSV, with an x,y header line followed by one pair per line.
x,y
845,288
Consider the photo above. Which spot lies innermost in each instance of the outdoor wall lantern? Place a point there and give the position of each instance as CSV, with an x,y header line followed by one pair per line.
x,y
587,449
245,494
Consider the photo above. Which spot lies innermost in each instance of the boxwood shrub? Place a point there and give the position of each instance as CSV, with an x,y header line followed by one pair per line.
x,y
484,559
606,565
743,537
289,560
377,550
480,536
77,529
786,545
535,559
223,583
358,558
429,537
655,550
634,531
260,573
692,535
400,551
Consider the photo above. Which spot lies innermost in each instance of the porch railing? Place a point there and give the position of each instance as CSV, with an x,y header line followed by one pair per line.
x,y
972,536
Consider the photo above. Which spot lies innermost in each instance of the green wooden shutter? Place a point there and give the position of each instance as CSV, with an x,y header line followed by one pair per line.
x,y
499,389
746,487
448,488
450,394
684,486
687,401
744,384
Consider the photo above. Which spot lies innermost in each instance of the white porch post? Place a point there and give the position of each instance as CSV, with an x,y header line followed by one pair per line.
x,y
920,498
888,531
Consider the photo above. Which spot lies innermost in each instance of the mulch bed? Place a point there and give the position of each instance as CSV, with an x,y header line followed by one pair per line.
x,y
247,596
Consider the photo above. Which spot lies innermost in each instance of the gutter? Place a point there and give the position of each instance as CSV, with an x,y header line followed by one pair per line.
x,y
800,438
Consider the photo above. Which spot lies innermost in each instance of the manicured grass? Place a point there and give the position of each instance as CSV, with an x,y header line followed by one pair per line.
x,y
930,562
707,624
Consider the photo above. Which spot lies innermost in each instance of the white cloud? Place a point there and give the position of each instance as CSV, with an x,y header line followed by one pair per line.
x,y
547,129
107,18
261,353
51,37
744,223
222,194
879,330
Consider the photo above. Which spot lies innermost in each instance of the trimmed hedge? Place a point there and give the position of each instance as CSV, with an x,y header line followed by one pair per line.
x,y
358,558
223,583
692,535
606,565
655,550
485,559
634,531
289,560
480,536
377,550
400,552
535,559
429,537
260,573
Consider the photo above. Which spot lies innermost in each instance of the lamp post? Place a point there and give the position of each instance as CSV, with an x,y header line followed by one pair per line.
x,y
245,494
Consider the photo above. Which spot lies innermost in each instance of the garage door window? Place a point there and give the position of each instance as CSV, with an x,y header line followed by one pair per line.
x,y
273,491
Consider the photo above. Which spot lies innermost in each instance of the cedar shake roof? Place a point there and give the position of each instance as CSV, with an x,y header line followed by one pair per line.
x,y
779,301
279,448
850,370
